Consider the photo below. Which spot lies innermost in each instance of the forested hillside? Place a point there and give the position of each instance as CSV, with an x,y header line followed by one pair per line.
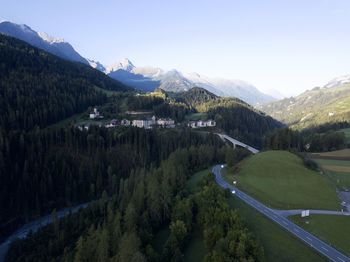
x,y
37,88
42,170
313,107
125,227
232,115
140,174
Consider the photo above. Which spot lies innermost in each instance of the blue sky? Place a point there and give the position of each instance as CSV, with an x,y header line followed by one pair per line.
x,y
287,45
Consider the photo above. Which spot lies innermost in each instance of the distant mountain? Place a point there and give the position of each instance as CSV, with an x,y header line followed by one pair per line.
x,y
124,64
42,40
232,88
150,78
328,104
137,81
141,78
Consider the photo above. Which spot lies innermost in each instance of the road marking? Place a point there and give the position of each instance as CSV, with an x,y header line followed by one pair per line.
x,y
341,259
324,248
296,230
284,222
309,238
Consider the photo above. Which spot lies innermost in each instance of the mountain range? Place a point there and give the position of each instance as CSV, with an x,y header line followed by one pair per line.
x,y
141,78
149,78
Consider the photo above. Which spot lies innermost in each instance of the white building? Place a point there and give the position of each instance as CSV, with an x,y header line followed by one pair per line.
x,y
95,114
210,123
166,122
201,123
143,123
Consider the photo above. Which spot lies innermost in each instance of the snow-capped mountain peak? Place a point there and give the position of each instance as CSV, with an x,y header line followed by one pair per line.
x,y
42,40
50,39
124,64
143,78
97,65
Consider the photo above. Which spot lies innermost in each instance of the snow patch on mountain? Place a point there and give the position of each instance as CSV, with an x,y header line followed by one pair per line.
x,y
97,65
41,40
143,78
341,80
124,64
50,39
176,81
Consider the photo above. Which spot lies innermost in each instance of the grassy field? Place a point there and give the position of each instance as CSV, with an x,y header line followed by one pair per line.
x,y
278,244
336,165
280,180
334,230
196,116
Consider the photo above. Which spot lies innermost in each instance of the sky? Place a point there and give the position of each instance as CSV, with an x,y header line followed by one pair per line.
x,y
285,45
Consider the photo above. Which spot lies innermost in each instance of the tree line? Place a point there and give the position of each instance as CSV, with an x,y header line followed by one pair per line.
x,y
123,227
51,168
318,139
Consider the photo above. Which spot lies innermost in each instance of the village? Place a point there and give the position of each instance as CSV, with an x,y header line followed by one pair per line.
x,y
149,122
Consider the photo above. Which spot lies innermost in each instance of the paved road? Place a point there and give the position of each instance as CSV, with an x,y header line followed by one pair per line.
x,y
236,142
309,239
35,226
292,212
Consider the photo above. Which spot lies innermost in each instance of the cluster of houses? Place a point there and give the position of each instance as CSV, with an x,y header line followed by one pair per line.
x,y
143,123
201,123
148,123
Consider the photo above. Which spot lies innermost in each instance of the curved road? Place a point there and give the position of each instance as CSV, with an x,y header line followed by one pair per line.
x,y
35,226
309,239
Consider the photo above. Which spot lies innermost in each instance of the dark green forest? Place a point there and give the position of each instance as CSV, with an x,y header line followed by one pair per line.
x,y
41,170
135,178
323,138
123,228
